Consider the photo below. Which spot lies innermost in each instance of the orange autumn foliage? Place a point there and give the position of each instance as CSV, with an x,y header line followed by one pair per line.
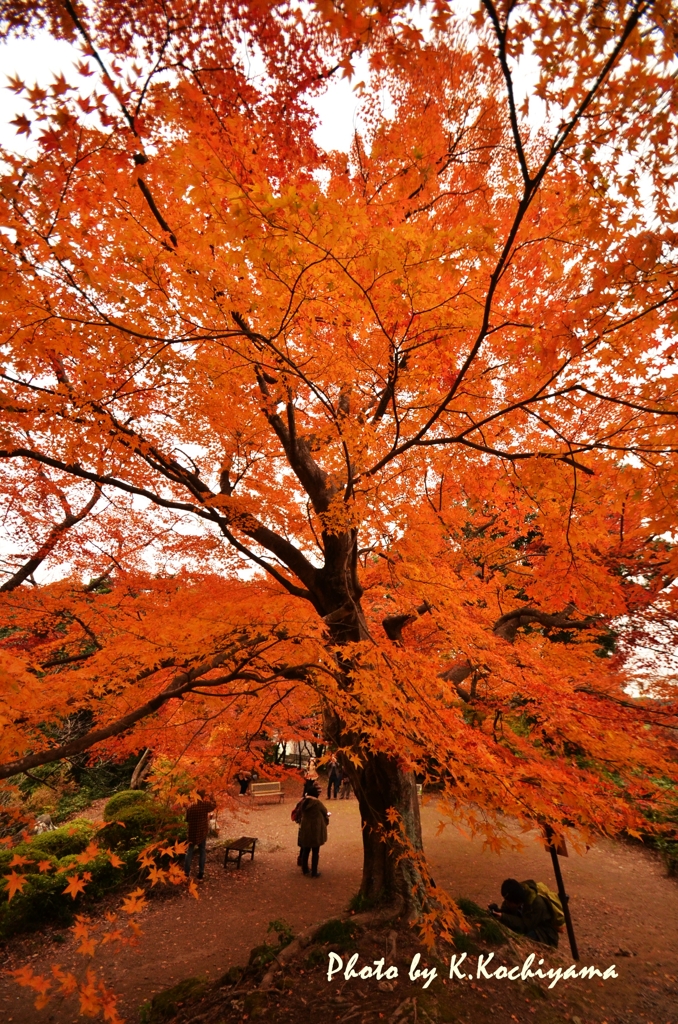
x,y
387,438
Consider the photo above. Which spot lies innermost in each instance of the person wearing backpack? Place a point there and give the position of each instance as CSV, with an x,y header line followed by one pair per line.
x,y
531,909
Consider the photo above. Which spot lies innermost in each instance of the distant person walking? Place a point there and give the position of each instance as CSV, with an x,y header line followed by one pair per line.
x,y
313,820
197,816
346,788
333,780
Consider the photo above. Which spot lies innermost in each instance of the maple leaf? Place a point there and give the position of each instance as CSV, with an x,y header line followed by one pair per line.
x,y
15,84
15,884
18,861
109,1005
88,854
87,946
25,977
134,902
156,875
76,885
90,1004
176,874
68,983
23,125
115,861
146,859
44,865
59,86
193,889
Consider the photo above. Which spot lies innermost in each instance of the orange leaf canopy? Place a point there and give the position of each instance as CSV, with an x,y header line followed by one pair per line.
x,y
390,435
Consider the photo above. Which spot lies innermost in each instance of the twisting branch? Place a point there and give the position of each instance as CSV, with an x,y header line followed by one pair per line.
x,y
507,627
178,686
56,533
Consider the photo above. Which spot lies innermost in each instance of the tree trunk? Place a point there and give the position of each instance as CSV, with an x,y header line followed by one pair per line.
x,y
390,847
390,871
141,770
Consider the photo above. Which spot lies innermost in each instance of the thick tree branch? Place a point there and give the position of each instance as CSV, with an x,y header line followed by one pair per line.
x,y
507,627
394,624
278,546
180,685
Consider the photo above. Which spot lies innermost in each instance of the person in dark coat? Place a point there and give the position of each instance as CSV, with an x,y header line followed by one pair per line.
x,y
243,779
333,780
197,816
526,912
313,822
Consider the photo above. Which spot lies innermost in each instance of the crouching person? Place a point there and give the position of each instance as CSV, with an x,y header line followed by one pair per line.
x,y
528,911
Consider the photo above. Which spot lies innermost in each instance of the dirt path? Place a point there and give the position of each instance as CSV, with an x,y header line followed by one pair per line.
x,y
625,910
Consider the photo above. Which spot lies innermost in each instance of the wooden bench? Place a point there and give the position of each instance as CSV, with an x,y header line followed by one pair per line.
x,y
273,789
245,844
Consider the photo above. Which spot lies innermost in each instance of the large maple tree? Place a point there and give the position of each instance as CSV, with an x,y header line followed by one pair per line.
x,y
422,391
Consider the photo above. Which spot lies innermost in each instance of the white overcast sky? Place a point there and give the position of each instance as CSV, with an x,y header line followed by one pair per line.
x,y
40,59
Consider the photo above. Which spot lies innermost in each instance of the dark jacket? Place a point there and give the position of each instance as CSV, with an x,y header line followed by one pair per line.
x,y
196,816
534,918
313,822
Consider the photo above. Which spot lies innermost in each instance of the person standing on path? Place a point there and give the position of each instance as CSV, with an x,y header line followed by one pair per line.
x,y
333,779
197,816
313,822
346,790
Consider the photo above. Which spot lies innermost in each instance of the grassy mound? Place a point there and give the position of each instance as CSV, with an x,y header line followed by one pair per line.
x,y
131,822
124,801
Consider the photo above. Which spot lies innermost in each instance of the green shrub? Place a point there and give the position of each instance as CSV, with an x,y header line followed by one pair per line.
x,y
122,802
282,930
231,977
316,957
43,900
65,840
262,955
143,822
492,931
